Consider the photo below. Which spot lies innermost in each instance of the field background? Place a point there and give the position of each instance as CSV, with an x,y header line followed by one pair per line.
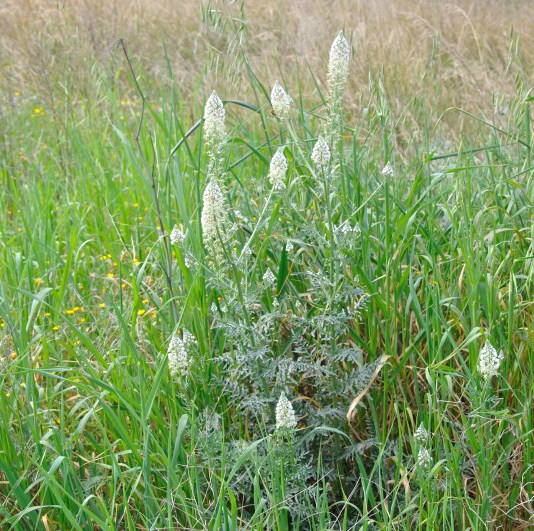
x,y
448,54
93,431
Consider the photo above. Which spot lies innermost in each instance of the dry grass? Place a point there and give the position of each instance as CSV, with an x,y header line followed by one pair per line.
x,y
447,54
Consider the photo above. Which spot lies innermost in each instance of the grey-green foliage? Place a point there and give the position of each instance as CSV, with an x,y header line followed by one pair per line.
x,y
286,306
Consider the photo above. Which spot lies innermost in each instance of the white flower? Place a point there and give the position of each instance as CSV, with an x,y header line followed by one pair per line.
x,y
214,116
177,236
281,101
278,170
346,229
321,155
213,212
420,435
189,261
289,247
338,64
178,353
285,416
388,170
489,361
268,277
424,459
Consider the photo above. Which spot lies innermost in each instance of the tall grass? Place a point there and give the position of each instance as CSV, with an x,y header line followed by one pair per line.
x,y
95,431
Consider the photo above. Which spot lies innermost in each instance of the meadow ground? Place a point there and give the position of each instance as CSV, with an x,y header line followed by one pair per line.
x,y
304,312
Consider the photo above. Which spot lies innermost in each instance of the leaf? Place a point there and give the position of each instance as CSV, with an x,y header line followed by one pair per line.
x,y
178,441
37,299
282,273
244,104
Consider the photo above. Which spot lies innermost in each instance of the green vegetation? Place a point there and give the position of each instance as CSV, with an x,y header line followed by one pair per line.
x,y
371,321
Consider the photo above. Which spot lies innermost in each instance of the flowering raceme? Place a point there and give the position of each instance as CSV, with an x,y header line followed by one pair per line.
x,y
278,170
420,435
424,459
489,361
388,170
177,236
214,128
178,353
213,212
338,64
268,278
285,416
321,155
281,101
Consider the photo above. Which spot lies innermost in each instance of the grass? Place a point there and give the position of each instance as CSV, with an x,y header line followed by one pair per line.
x,y
95,433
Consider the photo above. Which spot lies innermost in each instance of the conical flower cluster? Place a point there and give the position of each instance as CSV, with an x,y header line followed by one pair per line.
x,y
388,170
420,435
214,128
424,459
281,101
489,361
177,236
213,212
278,170
338,64
179,353
285,416
321,155
268,278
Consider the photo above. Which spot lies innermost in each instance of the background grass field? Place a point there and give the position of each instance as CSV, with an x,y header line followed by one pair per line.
x,y
94,432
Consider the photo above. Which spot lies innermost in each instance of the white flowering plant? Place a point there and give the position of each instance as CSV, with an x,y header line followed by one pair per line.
x,y
282,319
